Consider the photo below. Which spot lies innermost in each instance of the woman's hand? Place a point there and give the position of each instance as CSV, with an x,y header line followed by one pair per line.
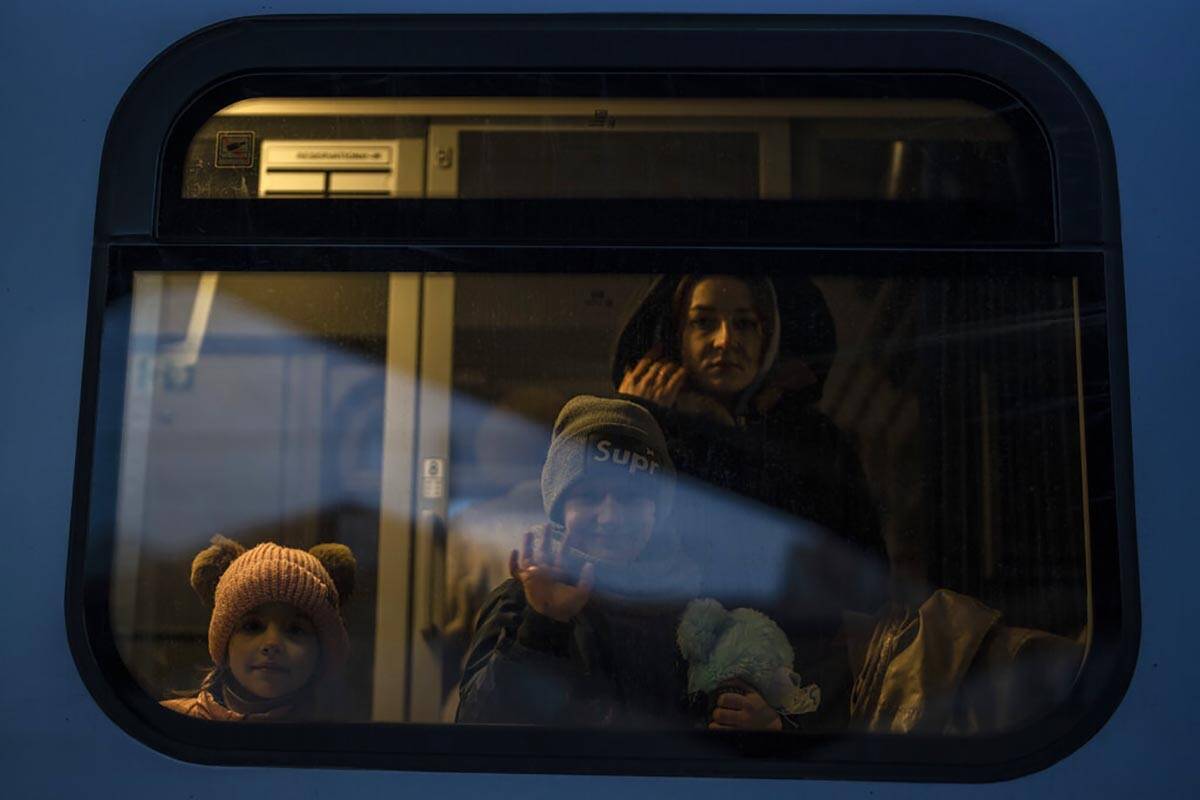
x,y
744,712
654,379
547,587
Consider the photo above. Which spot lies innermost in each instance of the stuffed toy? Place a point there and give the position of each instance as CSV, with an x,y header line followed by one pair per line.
x,y
725,649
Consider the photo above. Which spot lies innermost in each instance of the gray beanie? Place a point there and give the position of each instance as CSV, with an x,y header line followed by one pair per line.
x,y
597,433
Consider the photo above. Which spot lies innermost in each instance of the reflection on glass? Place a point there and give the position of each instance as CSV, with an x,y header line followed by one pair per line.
x,y
888,470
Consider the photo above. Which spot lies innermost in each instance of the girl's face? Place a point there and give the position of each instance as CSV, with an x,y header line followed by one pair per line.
x,y
274,650
722,338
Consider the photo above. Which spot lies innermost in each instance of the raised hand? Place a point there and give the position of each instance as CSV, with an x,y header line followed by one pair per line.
x,y
548,590
654,379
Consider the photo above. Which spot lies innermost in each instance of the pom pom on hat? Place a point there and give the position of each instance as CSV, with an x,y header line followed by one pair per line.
x,y
341,565
210,564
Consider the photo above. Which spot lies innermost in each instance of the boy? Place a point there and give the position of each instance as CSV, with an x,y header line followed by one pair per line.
x,y
583,633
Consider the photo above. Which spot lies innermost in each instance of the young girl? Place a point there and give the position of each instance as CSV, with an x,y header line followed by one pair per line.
x,y
276,635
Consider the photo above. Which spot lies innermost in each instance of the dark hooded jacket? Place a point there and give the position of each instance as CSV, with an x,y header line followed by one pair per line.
x,y
614,665
777,511
778,451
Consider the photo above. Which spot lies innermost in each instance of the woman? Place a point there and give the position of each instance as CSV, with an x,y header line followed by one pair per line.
x,y
778,512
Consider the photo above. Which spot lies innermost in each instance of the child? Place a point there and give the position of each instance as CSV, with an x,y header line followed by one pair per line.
x,y
582,634
275,635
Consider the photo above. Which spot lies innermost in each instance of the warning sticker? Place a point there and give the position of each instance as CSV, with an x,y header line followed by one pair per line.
x,y
433,479
235,149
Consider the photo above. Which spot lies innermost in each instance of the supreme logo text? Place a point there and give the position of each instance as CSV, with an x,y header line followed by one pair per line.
x,y
606,450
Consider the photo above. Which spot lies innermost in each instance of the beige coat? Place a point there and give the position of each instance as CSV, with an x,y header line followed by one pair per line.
x,y
953,668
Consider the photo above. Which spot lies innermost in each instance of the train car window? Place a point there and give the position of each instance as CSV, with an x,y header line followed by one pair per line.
x,y
873,159
608,147
409,416
723,421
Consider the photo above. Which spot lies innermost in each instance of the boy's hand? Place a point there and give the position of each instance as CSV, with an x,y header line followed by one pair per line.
x,y
547,586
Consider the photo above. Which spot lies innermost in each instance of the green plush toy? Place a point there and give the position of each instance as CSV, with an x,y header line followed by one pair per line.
x,y
724,648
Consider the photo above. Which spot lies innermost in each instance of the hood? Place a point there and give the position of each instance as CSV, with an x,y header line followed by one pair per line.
x,y
802,328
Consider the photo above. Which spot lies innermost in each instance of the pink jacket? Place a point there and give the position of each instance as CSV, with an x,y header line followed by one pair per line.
x,y
205,706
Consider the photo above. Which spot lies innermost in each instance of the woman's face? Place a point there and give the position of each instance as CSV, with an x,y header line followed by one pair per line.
x,y
274,650
722,339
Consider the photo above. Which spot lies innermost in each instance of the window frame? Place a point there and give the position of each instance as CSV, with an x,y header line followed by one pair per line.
x,y
129,235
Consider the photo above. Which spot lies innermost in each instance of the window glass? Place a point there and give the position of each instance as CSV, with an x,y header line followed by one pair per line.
x,y
870,148
890,467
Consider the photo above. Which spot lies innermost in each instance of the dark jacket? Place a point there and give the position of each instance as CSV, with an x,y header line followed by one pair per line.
x,y
779,454
614,665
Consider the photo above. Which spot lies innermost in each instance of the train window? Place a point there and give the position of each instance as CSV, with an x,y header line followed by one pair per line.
x,y
788,160
710,422
409,416
866,148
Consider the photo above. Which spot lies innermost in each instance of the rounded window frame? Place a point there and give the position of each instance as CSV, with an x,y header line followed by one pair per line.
x,y
186,80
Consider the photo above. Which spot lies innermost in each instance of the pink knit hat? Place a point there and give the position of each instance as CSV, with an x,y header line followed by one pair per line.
x,y
234,581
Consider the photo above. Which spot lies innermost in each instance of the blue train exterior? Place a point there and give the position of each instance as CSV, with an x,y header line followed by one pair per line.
x,y
69,65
